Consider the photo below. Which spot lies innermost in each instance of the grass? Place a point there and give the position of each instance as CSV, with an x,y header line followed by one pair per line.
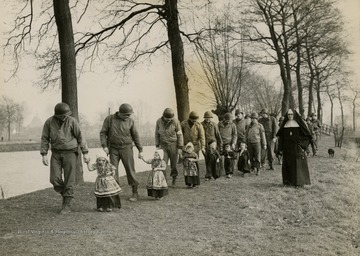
x,y
254,215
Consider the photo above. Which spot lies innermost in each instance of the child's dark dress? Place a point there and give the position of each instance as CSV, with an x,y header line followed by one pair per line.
x,y
244,161
191,170
229,161
212,164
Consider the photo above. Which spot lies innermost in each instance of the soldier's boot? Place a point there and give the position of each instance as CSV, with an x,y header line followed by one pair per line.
x,y
134,197
173,183
66,205
271,166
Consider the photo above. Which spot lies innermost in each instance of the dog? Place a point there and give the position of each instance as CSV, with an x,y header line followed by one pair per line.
x,y
331,152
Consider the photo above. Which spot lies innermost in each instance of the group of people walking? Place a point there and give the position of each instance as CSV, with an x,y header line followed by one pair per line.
x,y
242,143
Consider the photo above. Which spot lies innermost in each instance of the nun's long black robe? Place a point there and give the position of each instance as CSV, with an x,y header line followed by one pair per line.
x,y
293,142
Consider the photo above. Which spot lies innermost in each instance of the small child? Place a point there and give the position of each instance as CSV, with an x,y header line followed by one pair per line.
x,y
243,159
229,160
212,161
191,169
156,183
107,189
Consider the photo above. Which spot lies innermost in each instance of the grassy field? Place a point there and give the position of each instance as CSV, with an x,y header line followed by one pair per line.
x,y
251,215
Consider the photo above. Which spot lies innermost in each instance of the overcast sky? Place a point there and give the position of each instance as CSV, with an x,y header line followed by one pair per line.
x,y
152,86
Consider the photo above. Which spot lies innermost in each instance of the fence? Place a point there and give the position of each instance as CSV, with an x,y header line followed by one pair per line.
x,y
328,129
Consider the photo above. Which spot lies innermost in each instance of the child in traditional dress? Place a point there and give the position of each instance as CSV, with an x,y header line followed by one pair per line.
x,y
229,160
107,189
191,169
156,183
243,159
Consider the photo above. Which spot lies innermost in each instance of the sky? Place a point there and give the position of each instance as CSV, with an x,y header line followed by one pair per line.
x,y
148,88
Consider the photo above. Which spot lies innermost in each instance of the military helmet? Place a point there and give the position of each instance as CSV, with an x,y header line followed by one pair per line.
x,y
126,109
208,114
193,115
254,115
228,116
62,109
238,112
264,111
168,113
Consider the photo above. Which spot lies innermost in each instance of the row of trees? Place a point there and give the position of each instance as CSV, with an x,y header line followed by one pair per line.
x,y
303,38
11,116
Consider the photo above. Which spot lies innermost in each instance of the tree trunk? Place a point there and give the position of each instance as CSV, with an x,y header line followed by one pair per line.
x,y
68,65
332,112
177,60
9,131
298,63
311,81
318,97
354,117
280,60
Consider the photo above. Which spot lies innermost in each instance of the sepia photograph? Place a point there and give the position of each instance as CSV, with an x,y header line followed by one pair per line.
x,y
180,127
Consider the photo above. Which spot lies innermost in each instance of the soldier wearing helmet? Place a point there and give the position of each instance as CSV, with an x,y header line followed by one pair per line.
x,y
255,140
117,136
169,137
240,123
212,134
228,135
271,127
62,132
193,132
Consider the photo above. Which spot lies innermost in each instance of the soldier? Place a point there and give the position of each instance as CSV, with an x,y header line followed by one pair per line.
x,y
255,140
240,123
212,134
117,135
193,132
271,127
63,133
228,135
169,137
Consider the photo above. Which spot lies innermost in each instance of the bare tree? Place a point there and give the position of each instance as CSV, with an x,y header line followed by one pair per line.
x,y
10,111
302,37
355,92
120,32
67,55
221,57
19,118
324,49
263,94
332,94
129,24
66,52
275,42
342,98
